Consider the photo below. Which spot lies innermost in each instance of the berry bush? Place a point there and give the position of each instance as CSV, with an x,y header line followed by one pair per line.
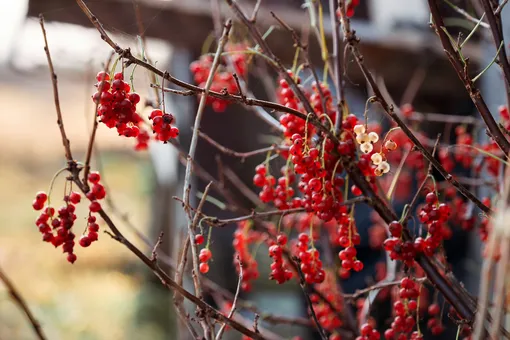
x,y
335,160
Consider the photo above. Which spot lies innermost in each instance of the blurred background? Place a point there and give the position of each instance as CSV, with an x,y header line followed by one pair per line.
x,y
107,294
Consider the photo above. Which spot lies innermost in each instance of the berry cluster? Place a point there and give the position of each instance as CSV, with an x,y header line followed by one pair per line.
x,y
368,332
310,262
117,107
365,140
204,257
325,310
222,78
434,216
348,237
243,236
58,229
434,323
161,125
279,195
405,308
279,268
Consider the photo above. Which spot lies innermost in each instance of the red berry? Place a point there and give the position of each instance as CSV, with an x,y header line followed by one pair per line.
x,y
94,206
71,257
94,177
74,197
204,268
199,238
85,241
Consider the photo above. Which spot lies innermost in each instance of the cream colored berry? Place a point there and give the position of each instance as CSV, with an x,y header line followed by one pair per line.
x,y
366,147
376,158
373,137
390,145
384,167
362,138
359,129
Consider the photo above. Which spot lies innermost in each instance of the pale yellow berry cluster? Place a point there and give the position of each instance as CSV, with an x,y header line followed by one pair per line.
x,y
366,141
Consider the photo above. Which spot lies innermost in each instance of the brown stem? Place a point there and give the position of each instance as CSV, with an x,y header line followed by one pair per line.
x,y
60,121
23,305
461,70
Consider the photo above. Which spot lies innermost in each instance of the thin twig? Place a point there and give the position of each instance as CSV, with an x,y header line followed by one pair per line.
x,y
461,70
500,7
497,34
242,155
338,64
154,254
54,82
236,296
23,305
191,155
302,283
380,285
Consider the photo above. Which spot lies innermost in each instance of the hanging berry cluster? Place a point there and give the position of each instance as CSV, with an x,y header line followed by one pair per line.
x,y
243,237
328,311
117,107
279,268
204,257
57,230
161,125
434,216
405,309
223,79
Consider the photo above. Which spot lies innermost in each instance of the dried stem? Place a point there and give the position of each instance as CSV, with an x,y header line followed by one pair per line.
x,y
460,68
242,155
302,283
54,82
236,297
190,157
23,305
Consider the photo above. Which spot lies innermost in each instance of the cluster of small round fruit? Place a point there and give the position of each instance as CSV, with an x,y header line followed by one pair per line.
x,y
243,237
223,79
117,105
279,268
161,125
405,308
58,229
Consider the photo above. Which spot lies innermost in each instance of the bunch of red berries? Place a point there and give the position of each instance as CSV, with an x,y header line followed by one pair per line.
x,y
348,237
161,125
222,78
204,257
279,271
405,308
58,229
368,332
434,323
434,216
243,236
117,106
327,311
310,262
